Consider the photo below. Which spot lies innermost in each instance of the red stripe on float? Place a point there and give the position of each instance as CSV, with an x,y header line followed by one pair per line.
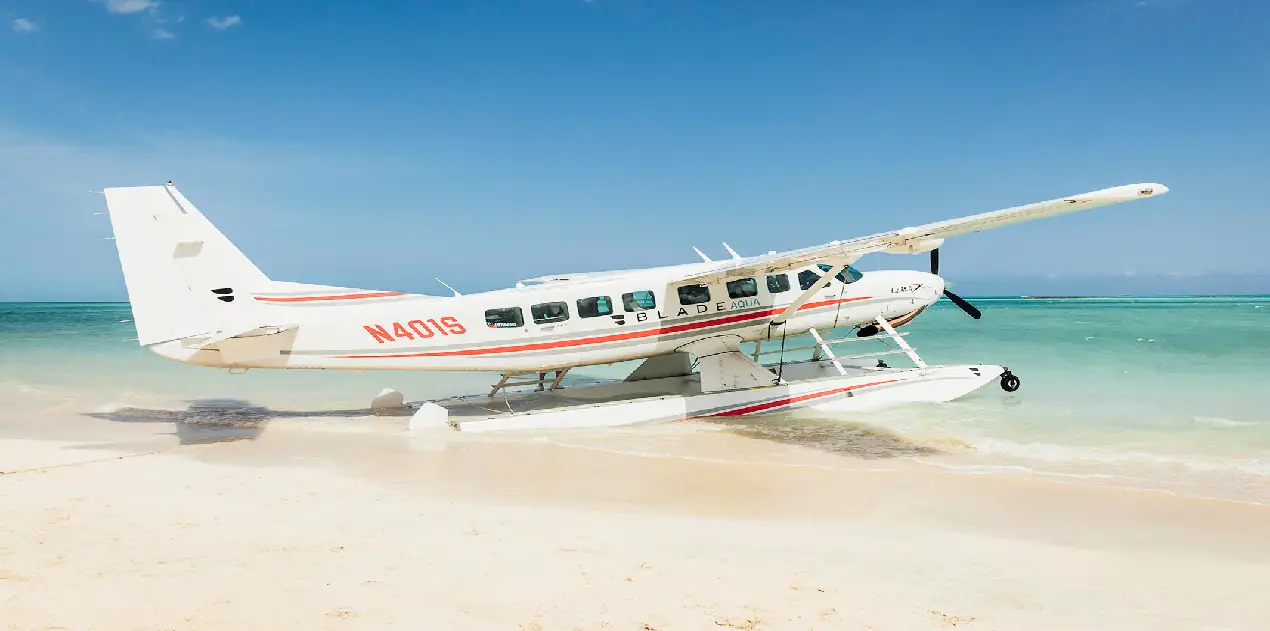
x,y
759,407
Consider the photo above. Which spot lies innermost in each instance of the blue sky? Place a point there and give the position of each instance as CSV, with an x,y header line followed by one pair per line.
x,y
380,144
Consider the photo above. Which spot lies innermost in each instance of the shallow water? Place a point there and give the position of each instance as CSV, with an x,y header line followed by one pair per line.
x,y
1153,392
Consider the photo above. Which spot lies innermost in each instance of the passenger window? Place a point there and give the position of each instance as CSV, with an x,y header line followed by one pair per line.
x,y
807,278
594,307
509,318
778,283
694,294
549,312
743,288
639,301
847,276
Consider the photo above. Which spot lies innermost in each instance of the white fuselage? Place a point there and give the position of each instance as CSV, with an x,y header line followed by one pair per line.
x,y
390,330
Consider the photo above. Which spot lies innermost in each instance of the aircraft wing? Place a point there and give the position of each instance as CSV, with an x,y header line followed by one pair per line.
x,y
914,240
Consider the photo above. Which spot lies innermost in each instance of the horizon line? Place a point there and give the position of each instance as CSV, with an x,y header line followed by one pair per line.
x,y
977,297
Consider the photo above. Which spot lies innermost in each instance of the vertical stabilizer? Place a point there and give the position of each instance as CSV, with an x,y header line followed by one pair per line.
x,y
184,277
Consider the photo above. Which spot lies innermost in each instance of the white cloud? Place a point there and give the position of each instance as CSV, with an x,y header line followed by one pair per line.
x,y
221,24
128,6
150,12
23,25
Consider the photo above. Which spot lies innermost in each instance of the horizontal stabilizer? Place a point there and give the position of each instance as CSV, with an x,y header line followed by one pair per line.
x,y
244,332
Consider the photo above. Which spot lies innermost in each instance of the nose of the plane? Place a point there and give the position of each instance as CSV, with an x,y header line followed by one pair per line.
x,y
932,286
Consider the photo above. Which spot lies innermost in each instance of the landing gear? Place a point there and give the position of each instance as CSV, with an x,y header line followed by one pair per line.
x,y
1009,382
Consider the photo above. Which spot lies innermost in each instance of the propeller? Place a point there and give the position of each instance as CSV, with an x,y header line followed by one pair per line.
x,y
957,300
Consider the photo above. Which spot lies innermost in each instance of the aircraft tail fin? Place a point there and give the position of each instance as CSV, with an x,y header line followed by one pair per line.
x,y
184,277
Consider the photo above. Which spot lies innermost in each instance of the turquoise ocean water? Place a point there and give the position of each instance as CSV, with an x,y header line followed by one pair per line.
x,y
1169,392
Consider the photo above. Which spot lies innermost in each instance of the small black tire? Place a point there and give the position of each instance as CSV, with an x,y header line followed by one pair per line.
x,y
1009,382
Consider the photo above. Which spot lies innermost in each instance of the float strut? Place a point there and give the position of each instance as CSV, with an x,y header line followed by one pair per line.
x,y
908,350
824,348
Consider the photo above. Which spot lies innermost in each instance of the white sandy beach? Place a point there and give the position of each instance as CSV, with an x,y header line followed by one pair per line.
x,y
332,523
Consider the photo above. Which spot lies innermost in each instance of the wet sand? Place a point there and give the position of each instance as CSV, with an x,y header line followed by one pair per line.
x,y
134,520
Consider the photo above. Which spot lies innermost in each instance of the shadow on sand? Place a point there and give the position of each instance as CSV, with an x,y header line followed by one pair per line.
x,y
223,420
857,440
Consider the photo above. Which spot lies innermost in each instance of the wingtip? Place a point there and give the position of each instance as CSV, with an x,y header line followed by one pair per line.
x,y
1129,191
1145,189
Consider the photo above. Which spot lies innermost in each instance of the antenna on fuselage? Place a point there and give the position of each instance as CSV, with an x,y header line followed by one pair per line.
x,y
731,251
701,254
456,292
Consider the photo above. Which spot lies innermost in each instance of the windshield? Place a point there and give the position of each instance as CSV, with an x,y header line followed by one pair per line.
x,y
846,276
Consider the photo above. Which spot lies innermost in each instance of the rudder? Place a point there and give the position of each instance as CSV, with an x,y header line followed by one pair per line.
x,y
184,278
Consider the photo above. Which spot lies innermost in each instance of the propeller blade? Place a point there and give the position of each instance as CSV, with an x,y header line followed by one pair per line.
x,y
934,261
965,306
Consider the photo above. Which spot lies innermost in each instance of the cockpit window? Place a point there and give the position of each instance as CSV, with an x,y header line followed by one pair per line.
x,y
846,276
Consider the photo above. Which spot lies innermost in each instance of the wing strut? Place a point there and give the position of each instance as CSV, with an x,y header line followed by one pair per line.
x,y
807,295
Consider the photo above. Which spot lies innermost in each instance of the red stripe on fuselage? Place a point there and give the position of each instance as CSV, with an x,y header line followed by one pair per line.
x,y
615,337
759,407
376,294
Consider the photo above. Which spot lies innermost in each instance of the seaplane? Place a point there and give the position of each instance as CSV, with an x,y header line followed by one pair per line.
x,y
197,299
